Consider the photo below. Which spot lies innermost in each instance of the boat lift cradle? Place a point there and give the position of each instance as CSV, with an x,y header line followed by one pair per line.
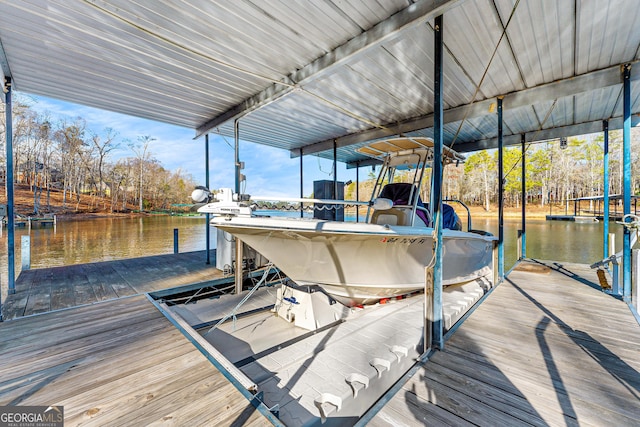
x,y
614,259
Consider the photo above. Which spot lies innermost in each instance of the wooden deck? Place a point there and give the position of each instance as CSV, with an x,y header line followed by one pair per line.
x,y
55,288
546,348
118,362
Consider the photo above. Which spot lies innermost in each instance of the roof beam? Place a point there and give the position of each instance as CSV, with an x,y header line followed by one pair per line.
x,y
363,163
546,134
546,92
412,16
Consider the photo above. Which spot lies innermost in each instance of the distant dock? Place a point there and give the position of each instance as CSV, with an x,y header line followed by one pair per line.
x,y
594,211
574,218
29,221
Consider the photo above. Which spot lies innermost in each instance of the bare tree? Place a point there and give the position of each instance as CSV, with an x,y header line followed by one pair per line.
x,y
69,138
103,147
141,150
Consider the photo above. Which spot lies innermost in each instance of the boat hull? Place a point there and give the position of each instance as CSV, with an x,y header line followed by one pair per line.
x,y
360,263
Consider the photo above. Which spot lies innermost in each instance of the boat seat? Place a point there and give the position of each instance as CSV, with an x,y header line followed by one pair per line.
x,y
393,216
400,193
398,215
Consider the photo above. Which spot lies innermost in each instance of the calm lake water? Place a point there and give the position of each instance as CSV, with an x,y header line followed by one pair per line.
x,y
104,239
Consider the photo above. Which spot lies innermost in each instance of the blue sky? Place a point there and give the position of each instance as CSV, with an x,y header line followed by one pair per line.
x,y
269,171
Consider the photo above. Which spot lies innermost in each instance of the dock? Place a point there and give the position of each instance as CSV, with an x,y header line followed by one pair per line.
x,y
118,362
547,347
22,221
49,289
579,218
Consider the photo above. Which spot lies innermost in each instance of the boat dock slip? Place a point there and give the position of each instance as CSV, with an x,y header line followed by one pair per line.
x,y
546,348
325,376
118,362
55,288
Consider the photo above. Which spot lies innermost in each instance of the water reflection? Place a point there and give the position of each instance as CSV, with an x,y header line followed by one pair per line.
x,y
104,239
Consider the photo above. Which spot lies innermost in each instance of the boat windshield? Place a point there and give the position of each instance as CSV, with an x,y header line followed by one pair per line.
x,y
402,179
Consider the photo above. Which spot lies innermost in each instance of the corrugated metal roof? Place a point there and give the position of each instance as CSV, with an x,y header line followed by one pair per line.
x,y
305,75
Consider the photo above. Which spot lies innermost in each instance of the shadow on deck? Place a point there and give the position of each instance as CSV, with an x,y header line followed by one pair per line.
x,y
546,348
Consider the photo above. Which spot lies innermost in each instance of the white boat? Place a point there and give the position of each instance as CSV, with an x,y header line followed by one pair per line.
x,y
363,262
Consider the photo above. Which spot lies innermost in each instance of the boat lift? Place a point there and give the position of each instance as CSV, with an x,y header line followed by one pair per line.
x,y
631,222
310,359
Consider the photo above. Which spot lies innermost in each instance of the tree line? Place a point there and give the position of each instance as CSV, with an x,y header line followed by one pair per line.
x,y
68,156
555,172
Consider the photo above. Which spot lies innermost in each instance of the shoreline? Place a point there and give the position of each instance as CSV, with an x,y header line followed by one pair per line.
x,y
90,208
476,212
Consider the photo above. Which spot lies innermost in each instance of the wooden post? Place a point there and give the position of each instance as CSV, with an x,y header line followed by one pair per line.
x,y
519,245
175,240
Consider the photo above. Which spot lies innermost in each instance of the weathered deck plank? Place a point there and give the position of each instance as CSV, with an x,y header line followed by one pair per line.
x,y
116,362
55,288
543,349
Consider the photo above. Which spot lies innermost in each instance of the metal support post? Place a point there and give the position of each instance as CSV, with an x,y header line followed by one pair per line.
x,y
436,196
11,254
206,183
635,292
626,155
175,240
428,311
605,199
239,273
523,235
494,262
335,179
236,136
358,191
301,185
615,287
500,195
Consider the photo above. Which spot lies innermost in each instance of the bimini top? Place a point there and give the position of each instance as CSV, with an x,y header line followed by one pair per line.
x,y
382,149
